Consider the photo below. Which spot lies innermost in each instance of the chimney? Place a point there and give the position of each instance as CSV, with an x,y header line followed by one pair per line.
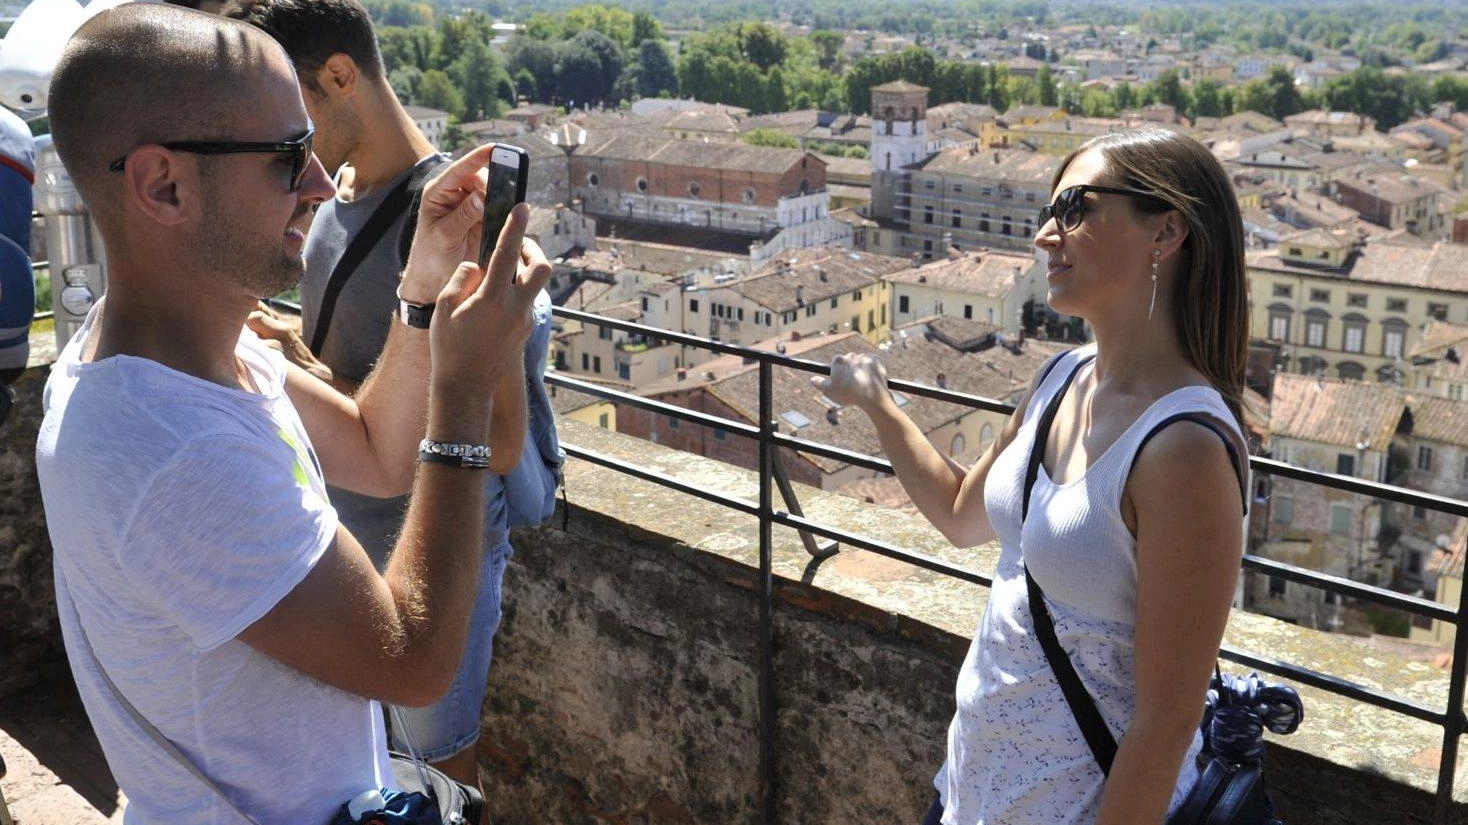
x,y
821,271
917,260
682,373
800,296
794,335
831,416
942,381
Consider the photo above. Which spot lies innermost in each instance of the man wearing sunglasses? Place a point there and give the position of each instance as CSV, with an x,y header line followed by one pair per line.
x,y
229,637
347,298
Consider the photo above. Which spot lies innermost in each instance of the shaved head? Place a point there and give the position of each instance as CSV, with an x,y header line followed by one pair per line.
x,y
146,73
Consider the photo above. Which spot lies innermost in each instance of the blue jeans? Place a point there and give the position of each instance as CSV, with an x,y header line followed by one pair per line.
x,y
935,813
451,724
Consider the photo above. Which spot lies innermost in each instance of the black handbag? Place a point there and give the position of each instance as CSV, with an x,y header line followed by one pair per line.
x,y
1230,786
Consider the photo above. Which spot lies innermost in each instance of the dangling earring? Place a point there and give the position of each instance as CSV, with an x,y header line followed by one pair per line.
x,y
1156,255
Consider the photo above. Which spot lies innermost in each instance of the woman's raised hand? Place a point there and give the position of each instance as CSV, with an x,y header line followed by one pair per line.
x,y
856,380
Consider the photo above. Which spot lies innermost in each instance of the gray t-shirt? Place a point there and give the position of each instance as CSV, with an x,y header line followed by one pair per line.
x,y
359,326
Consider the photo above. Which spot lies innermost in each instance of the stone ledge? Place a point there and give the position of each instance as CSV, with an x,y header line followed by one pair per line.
x,y
1394,755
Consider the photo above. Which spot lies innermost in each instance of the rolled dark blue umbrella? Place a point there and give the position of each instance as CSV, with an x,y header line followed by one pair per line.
x,y
1240,708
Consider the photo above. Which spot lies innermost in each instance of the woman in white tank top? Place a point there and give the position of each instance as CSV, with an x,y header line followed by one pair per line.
x,y
1135,527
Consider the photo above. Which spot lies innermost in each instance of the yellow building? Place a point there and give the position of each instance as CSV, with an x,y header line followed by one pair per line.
x,y
1353,310
801,292
1060,136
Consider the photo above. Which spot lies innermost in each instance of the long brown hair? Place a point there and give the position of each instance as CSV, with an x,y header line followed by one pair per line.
x,y
1210,298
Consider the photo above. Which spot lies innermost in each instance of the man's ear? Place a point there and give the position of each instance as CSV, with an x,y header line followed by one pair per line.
x,y
339,75
163,185
1172,230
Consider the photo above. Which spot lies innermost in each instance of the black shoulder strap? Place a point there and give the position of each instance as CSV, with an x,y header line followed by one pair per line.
x,y
1082,706
422,173
1239,462
366,238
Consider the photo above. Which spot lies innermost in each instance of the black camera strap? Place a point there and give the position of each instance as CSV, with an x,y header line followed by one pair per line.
x,y
373,231
404,196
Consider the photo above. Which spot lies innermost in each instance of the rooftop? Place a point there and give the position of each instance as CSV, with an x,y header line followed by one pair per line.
x,y
1021,166
819,273
1434,266
1335,412
989,273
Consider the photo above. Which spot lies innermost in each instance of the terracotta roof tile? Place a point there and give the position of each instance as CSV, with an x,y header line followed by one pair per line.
x,y
1330,411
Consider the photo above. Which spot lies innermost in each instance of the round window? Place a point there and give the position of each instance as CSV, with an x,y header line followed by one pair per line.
x,y
694,189
593,180
642,184
748,196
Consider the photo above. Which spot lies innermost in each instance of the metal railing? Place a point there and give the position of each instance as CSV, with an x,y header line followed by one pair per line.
x,y
1451,718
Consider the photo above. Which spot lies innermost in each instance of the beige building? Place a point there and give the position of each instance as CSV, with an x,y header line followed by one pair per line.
x,y
1060,136
1332,426
1431,453
989,287
1354,310
972,198
1439,359
808,291
1395,200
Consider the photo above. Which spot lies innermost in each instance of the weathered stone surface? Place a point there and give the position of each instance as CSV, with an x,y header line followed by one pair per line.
x,y
30,636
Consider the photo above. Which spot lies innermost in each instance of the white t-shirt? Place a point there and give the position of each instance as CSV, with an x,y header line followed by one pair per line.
x,y
181,511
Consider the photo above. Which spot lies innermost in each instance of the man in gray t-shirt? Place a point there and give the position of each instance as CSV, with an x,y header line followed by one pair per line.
x,y
365,137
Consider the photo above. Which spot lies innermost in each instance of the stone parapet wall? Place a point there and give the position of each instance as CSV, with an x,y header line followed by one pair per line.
x,y
30,634
625,690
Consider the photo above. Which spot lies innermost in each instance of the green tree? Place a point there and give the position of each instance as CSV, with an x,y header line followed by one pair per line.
x,y
617,24
417,47
656,74
1168,88
404,82
770,137
437,91
455,35
828,48
1390,99
1208,99
479,76
536,58
1123,97
646,27
1454,89
763,45
1275,95
1046,81
587,67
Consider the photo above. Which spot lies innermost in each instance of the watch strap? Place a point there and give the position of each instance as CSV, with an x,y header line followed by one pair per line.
x,y
470,456
414,315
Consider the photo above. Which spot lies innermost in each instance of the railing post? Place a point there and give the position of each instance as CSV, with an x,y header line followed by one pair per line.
x,y
766,596
1453,721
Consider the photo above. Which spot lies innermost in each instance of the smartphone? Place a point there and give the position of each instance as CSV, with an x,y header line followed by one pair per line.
x,y
509,166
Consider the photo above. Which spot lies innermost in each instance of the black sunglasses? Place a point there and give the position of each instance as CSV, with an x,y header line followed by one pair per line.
x,y
299,149
1069,204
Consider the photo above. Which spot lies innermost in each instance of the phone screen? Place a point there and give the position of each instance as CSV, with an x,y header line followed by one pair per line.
x,y
506,188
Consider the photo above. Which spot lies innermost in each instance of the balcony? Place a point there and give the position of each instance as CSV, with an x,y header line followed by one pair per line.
x,y
681,646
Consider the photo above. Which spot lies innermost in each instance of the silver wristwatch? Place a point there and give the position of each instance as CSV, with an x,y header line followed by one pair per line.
x,y
470,456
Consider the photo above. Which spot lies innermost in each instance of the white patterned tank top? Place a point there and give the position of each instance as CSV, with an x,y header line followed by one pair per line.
x,y
1015,753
